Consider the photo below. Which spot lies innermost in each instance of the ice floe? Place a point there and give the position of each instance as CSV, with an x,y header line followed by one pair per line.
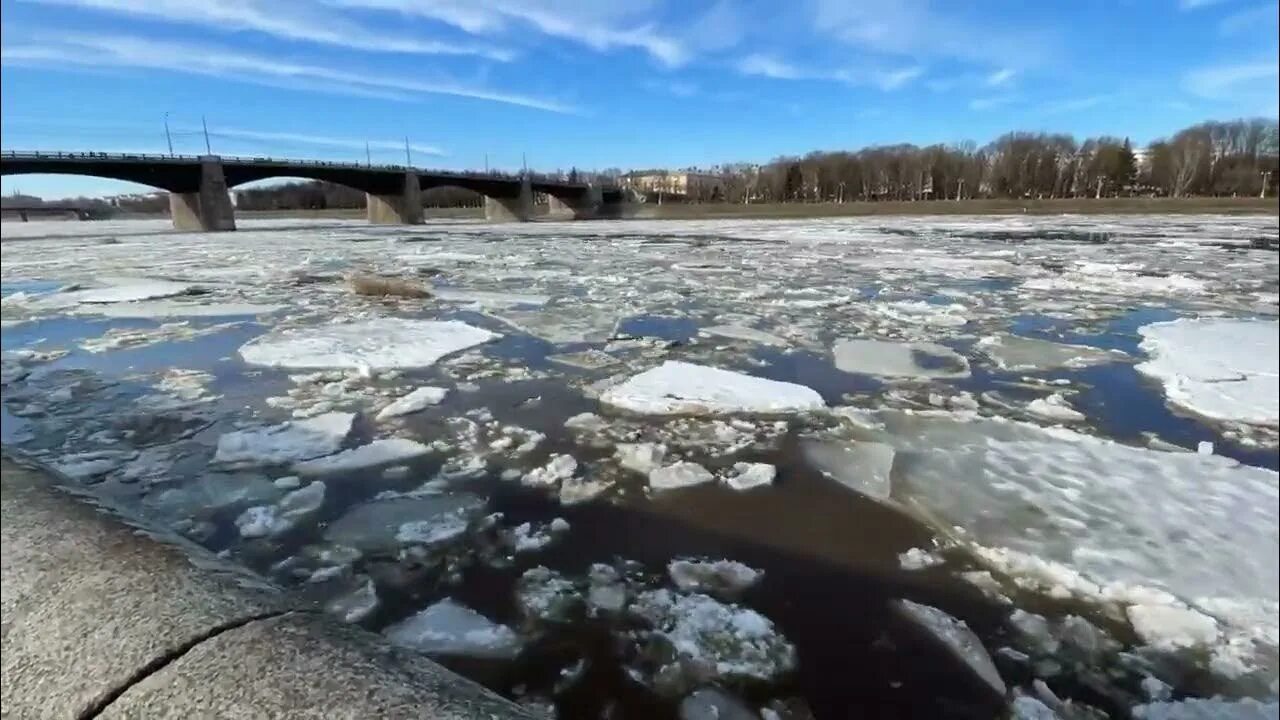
x,y
1217,368
1014,352
676,387
679,475
378,452
377,344
893,359
286,443
956,636
415,401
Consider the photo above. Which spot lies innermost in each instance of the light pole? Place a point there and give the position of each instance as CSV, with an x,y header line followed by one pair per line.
x,y
1266,176
408,159
167,137
208,150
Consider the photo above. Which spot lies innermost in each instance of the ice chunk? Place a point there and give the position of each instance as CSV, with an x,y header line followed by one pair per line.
x,y
738,332
1025,707
917,559
377,344
714,704
1167,626
865,467
450,629
1055,407
721,578
679,475
579,489
356,605
676,387
285,443
544,596
1209,709
747,475
711,641
415,401
640,457
127,290
526,537
958,638
380,524
174,309
378,452
1014,352
1217,368
558,468
892,359
489,299
274,520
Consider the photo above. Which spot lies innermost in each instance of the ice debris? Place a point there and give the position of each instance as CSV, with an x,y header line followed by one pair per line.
x,y
450,629
720,578
417,400
677,388
893,359
956,636
286,443
679,475
378,452
376,345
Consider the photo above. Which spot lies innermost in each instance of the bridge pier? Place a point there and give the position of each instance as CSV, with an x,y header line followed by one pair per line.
x,y
403,208
207,209
511,209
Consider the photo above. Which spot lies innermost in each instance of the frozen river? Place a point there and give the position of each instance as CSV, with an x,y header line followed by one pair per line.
x,y
883,467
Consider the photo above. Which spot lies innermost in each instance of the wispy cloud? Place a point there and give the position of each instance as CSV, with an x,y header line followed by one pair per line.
x,y
286,138
1236,81
771,67
1196,4
1059,107
70,50
911,28
1000,77
678,88
598,25
991,102
288,20
1261,18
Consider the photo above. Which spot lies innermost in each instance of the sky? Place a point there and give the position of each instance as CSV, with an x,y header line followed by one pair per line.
x,y
595,84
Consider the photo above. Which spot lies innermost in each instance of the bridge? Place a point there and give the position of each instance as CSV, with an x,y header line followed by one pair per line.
x,y
199,185
26,211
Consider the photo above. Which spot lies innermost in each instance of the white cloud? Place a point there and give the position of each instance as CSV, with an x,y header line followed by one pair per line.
x,y
321,140
911,28
1239,81
596,24
97,51
771,67
289,20
1000,77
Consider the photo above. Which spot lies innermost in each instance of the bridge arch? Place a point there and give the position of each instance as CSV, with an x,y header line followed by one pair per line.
x,y
172,179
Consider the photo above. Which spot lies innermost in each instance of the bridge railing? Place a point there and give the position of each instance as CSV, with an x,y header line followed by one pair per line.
x,y
247,160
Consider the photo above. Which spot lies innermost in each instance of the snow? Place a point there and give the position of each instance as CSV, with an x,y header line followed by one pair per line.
x,y
918,559
956,636
377,344
378,452
677,387
893,359
127,290
1217,368
1054,408
679,475
544,596
450,629
356,605
415,401
746,476
721,578
286,443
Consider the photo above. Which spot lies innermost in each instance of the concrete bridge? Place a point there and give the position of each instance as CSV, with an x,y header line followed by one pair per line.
x,y
26,211
199,186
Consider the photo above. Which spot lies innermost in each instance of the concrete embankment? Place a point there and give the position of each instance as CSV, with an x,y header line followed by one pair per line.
x,y
106,617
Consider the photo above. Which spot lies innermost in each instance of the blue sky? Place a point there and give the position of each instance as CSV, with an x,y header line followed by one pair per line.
x,y
598,83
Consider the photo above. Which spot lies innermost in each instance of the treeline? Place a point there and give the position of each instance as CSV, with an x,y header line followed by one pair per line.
x,y
96,207
1237,158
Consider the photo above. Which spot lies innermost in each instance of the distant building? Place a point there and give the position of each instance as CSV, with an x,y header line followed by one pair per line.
x,y
682,184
